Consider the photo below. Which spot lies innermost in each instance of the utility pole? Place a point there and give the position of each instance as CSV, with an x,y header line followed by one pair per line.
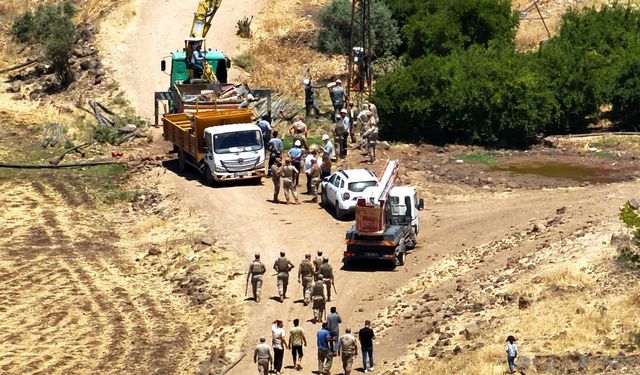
x,y
360,52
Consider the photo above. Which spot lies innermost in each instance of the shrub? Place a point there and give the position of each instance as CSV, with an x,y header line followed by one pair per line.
x,y
52,28
244,61
489,96
335,19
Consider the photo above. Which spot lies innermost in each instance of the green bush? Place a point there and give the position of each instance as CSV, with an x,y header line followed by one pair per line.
x,y
244,61
489,96
335,19
52,28
439,27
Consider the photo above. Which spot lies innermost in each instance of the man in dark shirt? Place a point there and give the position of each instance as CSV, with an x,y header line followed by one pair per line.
x,y
366,337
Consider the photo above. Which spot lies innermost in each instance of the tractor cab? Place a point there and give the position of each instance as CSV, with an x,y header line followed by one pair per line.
x,y
183,70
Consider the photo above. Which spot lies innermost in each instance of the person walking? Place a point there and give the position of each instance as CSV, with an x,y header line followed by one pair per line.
x,y
279,344
282,266
366,337
305,277
289,173
255,273
277,172
333,325
317,263
327,272
512,352
371,137
262,356
275,149
314,175
325,352
348,350
337,97
296,340
295,154
310,102
319,298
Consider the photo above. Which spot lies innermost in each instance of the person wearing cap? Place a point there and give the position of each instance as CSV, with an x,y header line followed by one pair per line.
x,y
265,128
277,172
290,173
328,146
256,272
327,276
373,109
337,97
319,299
310,102
262,356
282,266
512,352
295,154
305,277
370,137
298,131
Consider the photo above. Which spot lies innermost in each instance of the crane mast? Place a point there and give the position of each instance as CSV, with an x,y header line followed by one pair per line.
x,y
202,18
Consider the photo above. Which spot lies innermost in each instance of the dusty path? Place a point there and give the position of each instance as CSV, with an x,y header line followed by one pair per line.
x,y
134,46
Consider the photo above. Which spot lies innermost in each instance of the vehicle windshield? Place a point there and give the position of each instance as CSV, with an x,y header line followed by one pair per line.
x,y
358,187
249,140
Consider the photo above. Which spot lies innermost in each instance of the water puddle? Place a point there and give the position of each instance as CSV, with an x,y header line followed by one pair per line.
x,y
558,170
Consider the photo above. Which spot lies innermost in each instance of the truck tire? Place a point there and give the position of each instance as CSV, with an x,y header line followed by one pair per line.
x,y
323,198
181,162
208,177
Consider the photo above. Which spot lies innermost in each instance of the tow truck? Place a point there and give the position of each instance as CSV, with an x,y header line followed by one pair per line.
x,y
387,221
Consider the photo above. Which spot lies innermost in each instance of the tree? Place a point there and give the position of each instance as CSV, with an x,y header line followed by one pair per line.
x,y
335,19
52,28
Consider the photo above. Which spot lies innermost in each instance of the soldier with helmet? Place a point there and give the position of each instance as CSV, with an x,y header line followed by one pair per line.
x,y
319,298
305,277
327,276
317,263
256,270
282,266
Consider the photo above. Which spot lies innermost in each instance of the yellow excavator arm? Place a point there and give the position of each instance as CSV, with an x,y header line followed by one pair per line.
x,y
203,16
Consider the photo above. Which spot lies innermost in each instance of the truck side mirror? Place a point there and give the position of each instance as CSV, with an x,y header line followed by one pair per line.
x,y
205,149
228,63
163,65
420,204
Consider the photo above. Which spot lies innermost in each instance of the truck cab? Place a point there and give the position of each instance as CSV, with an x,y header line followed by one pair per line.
x,y
234,152
179,72
404,207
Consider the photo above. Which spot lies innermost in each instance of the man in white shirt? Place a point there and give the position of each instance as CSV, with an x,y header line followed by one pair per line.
x,y
279,344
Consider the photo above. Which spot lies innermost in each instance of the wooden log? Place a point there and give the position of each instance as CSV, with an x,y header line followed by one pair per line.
x,y
19,66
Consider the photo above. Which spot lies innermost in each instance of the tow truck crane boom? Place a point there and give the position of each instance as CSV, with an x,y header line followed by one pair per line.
x,y
370,209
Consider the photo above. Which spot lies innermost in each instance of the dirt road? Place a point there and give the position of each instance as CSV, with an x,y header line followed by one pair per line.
x,y
136,38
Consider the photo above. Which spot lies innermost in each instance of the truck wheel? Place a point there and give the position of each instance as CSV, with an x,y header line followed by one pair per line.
x,y
181,163
339,213
208,177
323,198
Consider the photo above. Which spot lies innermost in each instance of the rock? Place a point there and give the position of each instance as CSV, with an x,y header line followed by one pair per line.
x,y
459,161
538,227
561,211
129,128
85,64
434,351
620,239
99,73
97,81
512,185
154,251
15,87
580,310
457,350
208,241
470,333
523,302
18,97
633,203
383,145
523,362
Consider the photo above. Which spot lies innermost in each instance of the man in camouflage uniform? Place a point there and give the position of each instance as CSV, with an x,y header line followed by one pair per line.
x,y
319,297
282,266
317,263
256,270
305,277
327,276
348,350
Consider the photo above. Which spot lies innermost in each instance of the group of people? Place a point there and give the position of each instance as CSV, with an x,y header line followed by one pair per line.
x,y
329,344
314,162
315,276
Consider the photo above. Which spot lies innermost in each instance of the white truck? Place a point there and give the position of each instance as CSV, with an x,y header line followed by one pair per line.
x,y
222,145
